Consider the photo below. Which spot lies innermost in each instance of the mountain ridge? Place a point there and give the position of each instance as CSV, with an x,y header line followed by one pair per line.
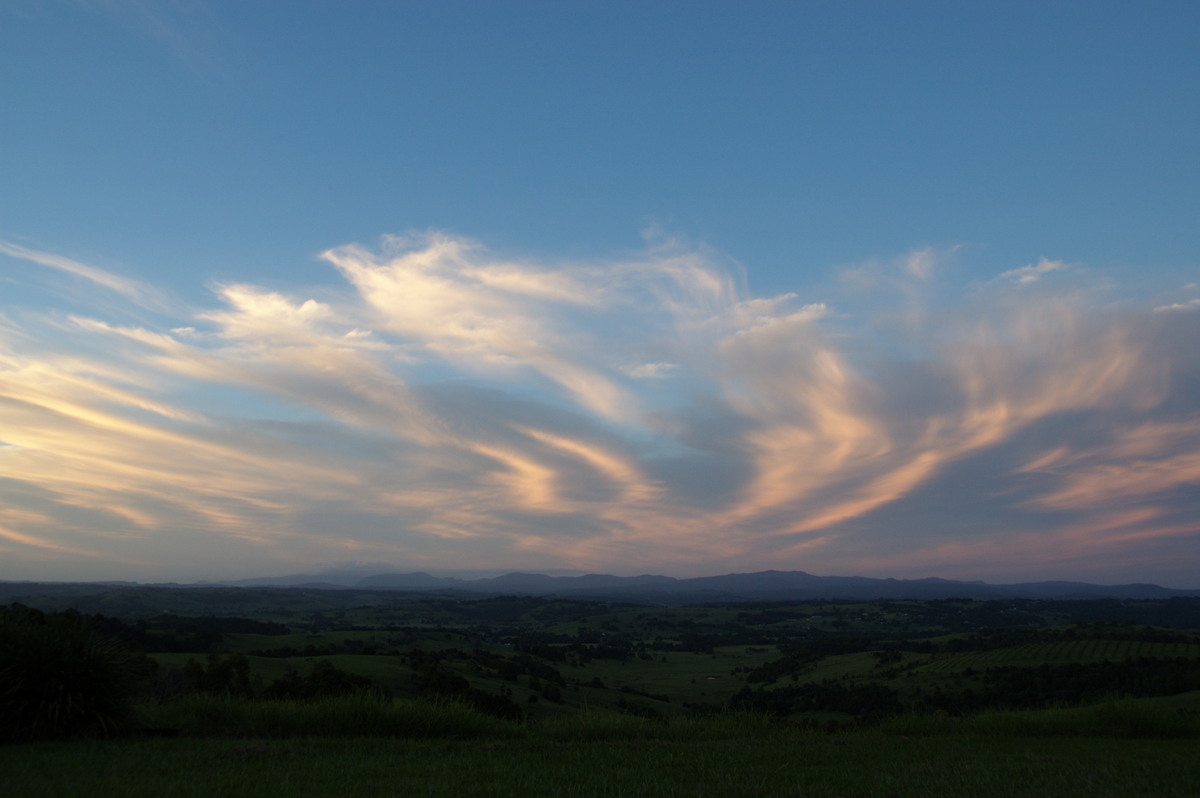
x,y
769,585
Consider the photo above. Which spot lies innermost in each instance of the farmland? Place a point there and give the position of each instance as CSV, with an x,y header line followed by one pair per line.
x,y
538,657
526,674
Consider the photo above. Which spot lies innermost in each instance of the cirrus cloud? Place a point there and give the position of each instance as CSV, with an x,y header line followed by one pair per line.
x,y
442,406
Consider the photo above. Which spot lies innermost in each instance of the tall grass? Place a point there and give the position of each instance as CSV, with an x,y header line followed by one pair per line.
x,y
359,715
783,766
366,716
362,715
1123,718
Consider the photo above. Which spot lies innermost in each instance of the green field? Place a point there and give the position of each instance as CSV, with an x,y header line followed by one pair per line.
x,y
353,693
782,765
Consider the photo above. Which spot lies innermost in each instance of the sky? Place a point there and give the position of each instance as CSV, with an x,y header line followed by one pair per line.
x,y
855,288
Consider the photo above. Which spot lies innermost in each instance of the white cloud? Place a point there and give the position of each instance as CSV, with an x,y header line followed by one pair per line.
x,y
1191,304
1033,272
653,371
131,289
446,404
920,264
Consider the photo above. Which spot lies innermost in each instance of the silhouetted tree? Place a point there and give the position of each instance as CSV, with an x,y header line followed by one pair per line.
x,y
60,678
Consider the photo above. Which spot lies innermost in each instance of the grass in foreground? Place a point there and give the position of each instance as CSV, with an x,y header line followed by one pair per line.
x,y
784,764
358,746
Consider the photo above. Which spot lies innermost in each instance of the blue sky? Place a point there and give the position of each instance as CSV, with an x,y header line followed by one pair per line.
x,y
893,289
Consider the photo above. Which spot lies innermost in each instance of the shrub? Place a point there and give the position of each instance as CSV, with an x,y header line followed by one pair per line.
x,y
60,678
323,681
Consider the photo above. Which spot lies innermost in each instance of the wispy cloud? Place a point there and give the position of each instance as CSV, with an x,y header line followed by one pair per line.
x,y
1031,273
186,29
1191,304
140,294
442,405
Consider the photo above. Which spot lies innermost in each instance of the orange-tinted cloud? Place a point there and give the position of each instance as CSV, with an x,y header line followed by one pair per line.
x,y
444,407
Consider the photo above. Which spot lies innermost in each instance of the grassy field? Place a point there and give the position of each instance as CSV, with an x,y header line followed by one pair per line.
x,y
354,746
783,764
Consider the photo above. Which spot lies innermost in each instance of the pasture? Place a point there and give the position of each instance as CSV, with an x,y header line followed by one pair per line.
x,y
524,696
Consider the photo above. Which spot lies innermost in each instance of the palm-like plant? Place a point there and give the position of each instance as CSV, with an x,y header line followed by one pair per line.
x,y
59,678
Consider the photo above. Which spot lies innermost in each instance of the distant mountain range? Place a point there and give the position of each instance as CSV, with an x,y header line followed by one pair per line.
x,y
760,586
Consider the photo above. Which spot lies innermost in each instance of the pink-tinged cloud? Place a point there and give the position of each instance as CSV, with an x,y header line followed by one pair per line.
x,y
438,406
